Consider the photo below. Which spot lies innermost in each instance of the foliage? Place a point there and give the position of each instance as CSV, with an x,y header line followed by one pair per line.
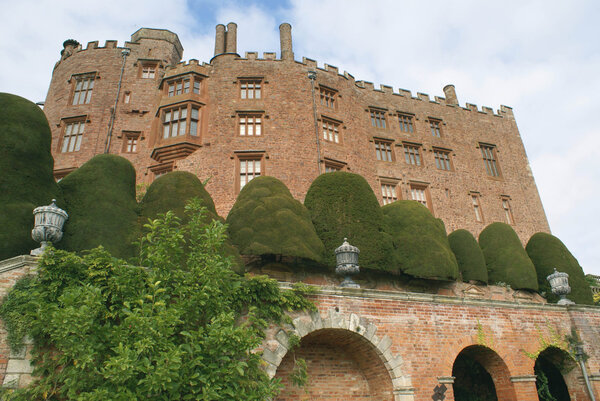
x,y
267,220
541,383
27,180
505,258
548,253
469,257
100,199
597,298
421,248
184,327
483,338
554,340
343,205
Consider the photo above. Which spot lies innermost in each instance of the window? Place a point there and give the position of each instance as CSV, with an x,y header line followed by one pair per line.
x,y
183,85
161,169
249,168
331,130
149,71
250,124
176,121
383,150
442,159
477,207
378,118
83,89
489,159
127,97
250,88
412,154
333,165
71,141
508,215
327,97
420,193
406,122
435,126
388,193
130,142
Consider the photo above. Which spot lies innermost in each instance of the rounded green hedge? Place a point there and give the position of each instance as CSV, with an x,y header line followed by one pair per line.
x,y
100,199
171,191
27,180
471,262
343,205
548,253
267,220
506,259
421,248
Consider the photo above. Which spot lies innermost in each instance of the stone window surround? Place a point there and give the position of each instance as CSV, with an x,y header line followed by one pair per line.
x,y
245,157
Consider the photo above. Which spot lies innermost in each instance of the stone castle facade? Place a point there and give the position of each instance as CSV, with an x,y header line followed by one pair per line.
x,y
236,117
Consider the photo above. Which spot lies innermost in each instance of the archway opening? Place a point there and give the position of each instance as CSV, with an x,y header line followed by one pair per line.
x,y
550,367
481,375
341,365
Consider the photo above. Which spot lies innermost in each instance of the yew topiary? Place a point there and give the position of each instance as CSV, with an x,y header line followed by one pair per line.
x,y
548,253
267,220
26,163
343,205
506,259
421,248
471,262
100,199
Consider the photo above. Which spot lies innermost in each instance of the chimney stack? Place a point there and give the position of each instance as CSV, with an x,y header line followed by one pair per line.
x,y
450,93
285,38
220,40
231,38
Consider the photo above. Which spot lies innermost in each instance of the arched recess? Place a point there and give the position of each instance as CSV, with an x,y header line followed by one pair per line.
x,y
338,346
479,369
556,375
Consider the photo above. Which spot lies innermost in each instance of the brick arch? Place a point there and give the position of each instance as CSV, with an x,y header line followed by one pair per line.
x,y
350,329
568,368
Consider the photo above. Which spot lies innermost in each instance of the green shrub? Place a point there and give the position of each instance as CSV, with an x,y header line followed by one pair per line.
x,y
548,253
267,220
471,262
26,163
343,205
506,260
421,247
100,199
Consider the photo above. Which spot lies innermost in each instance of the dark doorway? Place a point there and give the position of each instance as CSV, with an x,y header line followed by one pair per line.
x,y
549,368
472,382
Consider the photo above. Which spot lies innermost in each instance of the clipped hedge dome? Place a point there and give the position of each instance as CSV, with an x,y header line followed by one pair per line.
x,y
26,163
421,248
469,257
171,191
100,199
343,205
267,220
506,259
548,253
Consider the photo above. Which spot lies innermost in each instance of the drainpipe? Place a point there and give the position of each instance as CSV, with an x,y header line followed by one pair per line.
x,y
579,353
124,53
312,75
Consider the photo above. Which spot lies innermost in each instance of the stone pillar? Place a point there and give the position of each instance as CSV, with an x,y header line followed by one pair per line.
x,y
285,39
220,39
450,93
525,388
231,38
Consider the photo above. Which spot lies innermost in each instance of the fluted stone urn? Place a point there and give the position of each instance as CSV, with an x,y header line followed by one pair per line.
x,y
49,221
346,257
559,282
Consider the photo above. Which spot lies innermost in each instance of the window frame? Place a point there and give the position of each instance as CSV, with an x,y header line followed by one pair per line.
x,y
67,135
244,90
435,127
424,188
408,156
378,118
328,97
245,157
385,154
331,128
148,70
254,115
133,146
477,208
189,120
410,125
176,85
391,185
333,165
76,93
490,160
507,208
439,161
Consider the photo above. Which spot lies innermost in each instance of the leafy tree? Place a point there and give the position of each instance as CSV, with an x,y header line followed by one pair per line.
x,y
506,259
184,327
471,262
267,220
26,163
421,248
343,205
548,253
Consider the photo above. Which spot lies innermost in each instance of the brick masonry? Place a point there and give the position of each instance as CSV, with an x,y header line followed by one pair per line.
x,y
288,142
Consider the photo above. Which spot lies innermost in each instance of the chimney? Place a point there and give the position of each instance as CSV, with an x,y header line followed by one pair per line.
x,y
285,38
220,40
231,38
450,93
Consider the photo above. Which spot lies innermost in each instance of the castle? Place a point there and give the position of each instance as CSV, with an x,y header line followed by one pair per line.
x,y
241,117
236,118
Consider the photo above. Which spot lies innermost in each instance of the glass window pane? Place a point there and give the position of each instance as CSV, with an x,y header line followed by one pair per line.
x,y
193,128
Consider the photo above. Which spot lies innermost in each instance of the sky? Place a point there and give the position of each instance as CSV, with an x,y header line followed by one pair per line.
x,y
542,58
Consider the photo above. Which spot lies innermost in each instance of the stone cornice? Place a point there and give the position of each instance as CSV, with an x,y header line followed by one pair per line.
x,y
17,262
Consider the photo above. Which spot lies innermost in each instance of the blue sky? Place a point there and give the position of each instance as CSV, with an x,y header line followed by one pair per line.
x,y
540,57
